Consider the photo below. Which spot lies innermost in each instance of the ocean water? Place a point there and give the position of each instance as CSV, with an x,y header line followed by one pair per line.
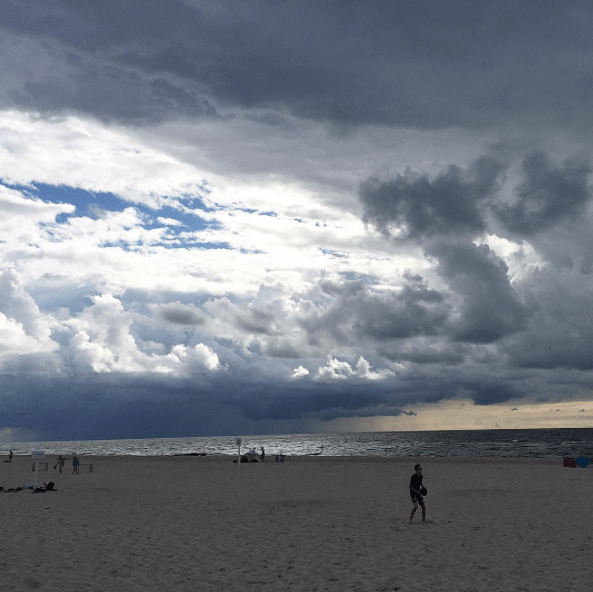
x,y
540,443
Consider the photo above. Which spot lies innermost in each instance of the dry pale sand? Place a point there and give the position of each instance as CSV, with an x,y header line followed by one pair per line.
x,y
204,523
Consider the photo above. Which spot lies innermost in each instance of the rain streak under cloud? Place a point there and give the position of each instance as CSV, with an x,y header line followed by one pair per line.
x,y
263,217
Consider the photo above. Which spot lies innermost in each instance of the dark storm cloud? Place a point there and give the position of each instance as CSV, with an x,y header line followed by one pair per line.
x,y
280,347
416,310
418,64
542,321
250,318
443,214
423,353
113,93
546,350
357,312
491,394
117,406
180,314
298,402
105,407
568,246
324,401
256,320
561,334
548,195
490,308
413,206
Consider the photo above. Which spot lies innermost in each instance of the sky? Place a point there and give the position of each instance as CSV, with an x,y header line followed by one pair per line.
x,y
226,218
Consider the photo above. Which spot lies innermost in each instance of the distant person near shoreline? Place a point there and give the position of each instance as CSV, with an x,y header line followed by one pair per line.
x,y
60,463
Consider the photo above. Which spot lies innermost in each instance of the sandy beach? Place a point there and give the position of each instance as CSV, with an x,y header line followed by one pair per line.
x,y
310,524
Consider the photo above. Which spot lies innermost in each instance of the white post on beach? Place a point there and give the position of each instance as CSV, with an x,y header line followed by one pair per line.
x,y
36,455
239,445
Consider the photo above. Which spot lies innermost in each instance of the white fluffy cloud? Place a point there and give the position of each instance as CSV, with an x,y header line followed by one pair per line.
x,y
80,152
24,329
102,339
340,370
14,339
300,372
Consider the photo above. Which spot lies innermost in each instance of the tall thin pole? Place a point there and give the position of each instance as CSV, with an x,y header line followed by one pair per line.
x,y
37,454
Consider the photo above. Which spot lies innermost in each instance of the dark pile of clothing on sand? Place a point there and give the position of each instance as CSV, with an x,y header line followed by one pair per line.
x,y
34,488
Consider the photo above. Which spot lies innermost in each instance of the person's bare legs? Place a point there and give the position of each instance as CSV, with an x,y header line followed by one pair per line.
x,y
423,512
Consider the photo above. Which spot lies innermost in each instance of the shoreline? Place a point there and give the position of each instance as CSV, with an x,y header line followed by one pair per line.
x,y
230,459
311,457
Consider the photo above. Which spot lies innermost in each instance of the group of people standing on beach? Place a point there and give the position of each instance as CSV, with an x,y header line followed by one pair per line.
x,y
253,456
59,464
75,464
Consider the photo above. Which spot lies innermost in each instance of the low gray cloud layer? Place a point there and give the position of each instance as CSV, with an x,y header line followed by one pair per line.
x,y
424,65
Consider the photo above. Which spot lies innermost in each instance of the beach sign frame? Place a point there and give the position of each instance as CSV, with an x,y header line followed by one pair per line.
x,y
37,455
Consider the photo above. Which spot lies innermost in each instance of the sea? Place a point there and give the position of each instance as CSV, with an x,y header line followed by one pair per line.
x,y
533,443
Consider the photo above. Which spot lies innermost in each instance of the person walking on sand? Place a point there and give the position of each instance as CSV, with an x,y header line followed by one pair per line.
x,y
10,456
75,464
416,492
263,454
60,463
